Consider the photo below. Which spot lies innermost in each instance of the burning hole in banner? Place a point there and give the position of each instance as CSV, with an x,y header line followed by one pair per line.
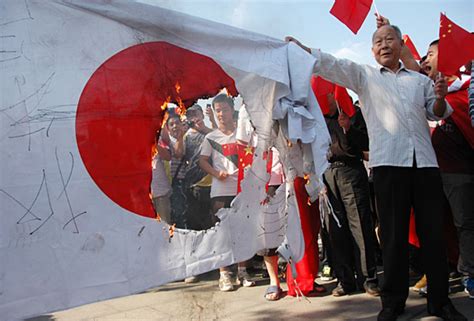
x,y
136,105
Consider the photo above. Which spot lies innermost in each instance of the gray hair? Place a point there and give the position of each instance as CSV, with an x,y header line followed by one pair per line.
x,y
397,30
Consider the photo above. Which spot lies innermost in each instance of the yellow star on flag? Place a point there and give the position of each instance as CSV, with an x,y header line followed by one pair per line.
x,y
248,150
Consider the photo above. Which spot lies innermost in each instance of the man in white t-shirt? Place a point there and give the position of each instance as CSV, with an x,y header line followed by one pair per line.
x,y
220,149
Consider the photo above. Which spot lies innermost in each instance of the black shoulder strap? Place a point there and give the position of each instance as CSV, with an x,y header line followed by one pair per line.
x,y
178,169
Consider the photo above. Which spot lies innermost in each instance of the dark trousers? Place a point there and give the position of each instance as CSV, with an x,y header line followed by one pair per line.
x,y
397,189
352,244
178,203
459,190
326,240
198,209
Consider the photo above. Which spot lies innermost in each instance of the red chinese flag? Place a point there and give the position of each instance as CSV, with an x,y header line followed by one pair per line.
x,y
229,149
321,89
352,13
344,101
268,156
455,48
307,268
459,101
411,46
245,153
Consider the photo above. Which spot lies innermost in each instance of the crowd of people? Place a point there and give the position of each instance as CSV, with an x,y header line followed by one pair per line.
x,y
411,126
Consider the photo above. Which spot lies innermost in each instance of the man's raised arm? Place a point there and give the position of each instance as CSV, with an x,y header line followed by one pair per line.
x,y
343,72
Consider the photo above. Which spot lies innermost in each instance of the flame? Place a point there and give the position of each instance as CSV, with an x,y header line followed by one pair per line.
x,y
154,151
177,87
307,178
181,109
165,103
165,119
171,231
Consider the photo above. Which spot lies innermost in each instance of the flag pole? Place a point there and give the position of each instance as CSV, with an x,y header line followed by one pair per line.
x,y
338,108
340,112
375,7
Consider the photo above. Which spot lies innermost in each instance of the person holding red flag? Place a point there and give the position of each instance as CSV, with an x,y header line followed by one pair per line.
x,y
453,142
395,102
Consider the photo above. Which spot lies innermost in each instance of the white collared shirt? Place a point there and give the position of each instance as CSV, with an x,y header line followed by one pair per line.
x,y
395,107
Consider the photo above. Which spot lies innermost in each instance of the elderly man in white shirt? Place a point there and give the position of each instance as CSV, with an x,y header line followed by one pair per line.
x,y
395,103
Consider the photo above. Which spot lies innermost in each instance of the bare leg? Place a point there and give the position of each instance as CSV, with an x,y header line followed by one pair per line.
x,y
271,262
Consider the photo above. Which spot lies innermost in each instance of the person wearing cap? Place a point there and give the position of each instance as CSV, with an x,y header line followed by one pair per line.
x,y
197,183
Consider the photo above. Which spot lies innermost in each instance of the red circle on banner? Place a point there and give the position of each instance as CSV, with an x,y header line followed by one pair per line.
x,y
119,112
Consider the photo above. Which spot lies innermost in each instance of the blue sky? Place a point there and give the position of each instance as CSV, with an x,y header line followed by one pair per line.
x,y
311,22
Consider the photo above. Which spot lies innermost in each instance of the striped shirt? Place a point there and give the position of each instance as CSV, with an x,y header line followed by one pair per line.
x,y
395,106
176,163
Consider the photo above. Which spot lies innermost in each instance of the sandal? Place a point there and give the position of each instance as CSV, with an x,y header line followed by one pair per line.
x,y
273,289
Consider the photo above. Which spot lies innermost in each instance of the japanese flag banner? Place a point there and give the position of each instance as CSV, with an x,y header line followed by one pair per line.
x,y
83,84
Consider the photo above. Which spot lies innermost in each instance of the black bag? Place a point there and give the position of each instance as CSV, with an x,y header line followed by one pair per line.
x,y
194,174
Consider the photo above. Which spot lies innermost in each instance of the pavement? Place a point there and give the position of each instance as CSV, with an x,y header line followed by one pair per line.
x,y
204,301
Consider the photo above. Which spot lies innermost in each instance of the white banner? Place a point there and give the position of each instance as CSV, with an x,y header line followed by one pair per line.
x,y
79,82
